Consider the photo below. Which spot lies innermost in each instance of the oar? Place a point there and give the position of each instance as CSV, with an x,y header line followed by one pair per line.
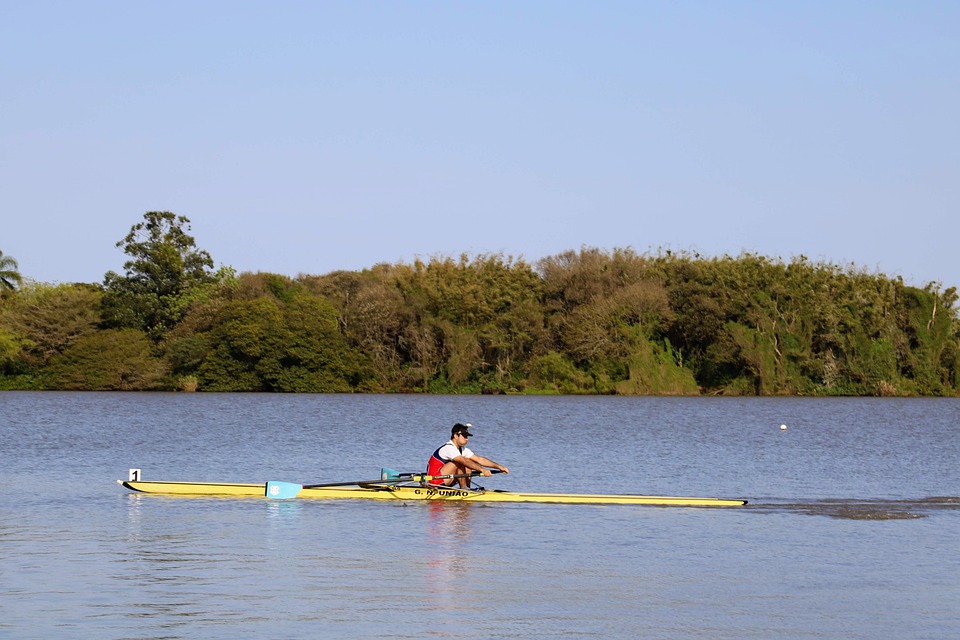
x,y
285,490
279,490
390,474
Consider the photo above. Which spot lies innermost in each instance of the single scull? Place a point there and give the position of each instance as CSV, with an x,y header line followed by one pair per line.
x,y
415,488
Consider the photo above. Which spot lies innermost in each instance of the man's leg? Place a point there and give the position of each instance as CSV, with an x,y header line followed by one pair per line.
x,y
452,468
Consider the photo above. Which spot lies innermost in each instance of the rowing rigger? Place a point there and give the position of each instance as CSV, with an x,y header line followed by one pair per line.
x,y
405,487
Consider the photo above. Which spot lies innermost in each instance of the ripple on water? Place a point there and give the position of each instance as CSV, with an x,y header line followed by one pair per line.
x,y
860,509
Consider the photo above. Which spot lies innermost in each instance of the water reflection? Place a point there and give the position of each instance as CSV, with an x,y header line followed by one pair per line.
x,y
178,564
448,532
280,510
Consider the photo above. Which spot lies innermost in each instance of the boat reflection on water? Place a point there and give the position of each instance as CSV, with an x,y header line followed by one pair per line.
x,y
449,529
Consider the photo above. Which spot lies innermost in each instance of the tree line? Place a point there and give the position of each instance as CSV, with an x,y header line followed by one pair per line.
x,y
582,322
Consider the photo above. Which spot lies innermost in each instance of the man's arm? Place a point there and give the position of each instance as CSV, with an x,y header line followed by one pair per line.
x,y
471,463
487,462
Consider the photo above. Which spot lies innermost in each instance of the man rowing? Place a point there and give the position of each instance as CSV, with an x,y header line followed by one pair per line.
x,y
454,458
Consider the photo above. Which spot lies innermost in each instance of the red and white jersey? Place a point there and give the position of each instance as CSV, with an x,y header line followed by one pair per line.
x,y
442,456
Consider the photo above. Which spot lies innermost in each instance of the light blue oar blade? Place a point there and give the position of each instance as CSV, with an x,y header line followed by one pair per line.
x,y
389,474
283,490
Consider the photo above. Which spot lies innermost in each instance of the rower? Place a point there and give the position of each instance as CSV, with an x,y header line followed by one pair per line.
x,y
454,458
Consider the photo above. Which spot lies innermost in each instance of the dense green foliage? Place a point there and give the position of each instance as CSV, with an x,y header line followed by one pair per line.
x,y
580,322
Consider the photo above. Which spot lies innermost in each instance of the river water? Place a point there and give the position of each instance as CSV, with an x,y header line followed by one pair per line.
x,y
852,531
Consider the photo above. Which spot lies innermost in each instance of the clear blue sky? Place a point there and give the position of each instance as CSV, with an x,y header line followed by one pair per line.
x,y
307,137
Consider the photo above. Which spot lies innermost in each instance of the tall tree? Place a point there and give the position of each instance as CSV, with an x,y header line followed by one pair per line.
x,y
10,277
165,266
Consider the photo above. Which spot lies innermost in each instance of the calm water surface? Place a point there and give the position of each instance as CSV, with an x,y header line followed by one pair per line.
x,y
852,531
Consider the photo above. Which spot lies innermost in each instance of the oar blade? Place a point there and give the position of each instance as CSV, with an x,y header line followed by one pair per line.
x,y
282,490
391,474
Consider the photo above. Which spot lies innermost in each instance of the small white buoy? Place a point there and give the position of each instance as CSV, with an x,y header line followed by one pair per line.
x,y
783,427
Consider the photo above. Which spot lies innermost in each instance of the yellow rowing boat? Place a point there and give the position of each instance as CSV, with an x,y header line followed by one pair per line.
x,y
408,491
